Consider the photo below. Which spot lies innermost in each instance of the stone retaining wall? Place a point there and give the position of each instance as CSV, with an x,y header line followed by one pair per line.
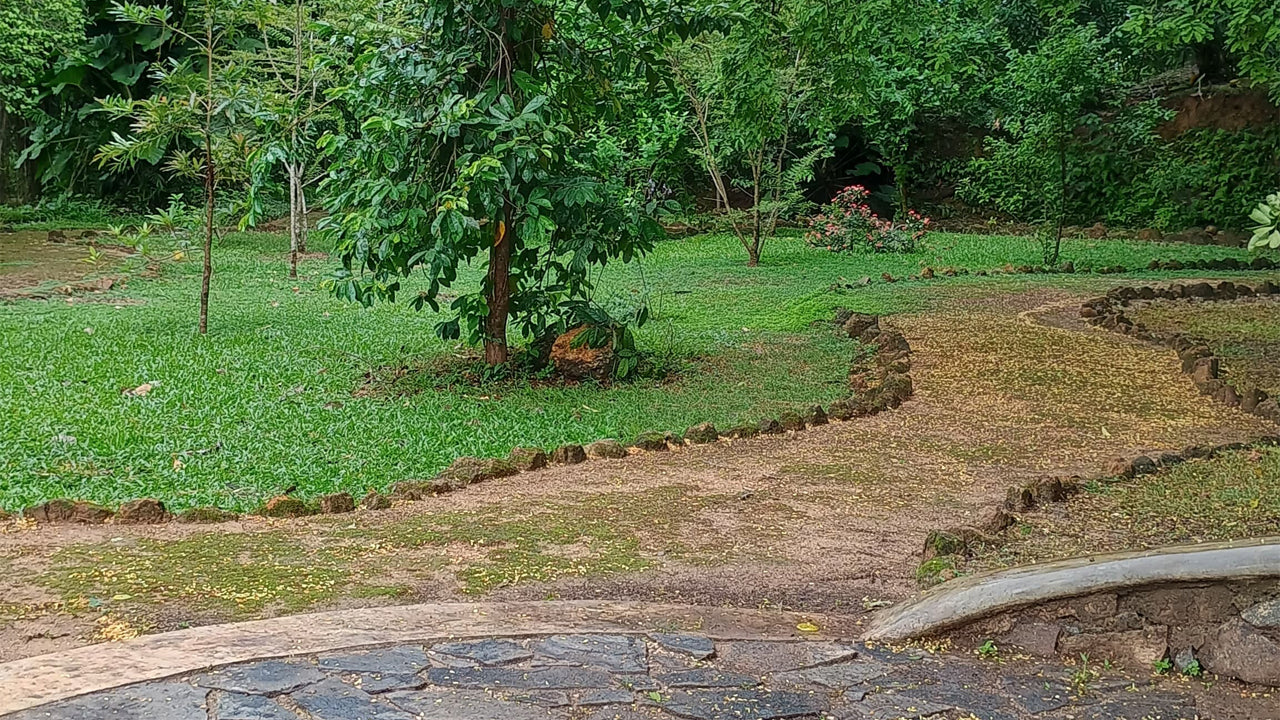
x,y
1230,629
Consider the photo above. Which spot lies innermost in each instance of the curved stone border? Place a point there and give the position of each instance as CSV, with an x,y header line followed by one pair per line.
x,y
39,680
878,381
1067,268
944,547
971,598
1197,358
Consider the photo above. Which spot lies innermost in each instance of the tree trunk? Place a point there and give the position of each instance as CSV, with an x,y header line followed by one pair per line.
x,y
209,182
305,228
499,300
294,226
753,250
207,270
4,155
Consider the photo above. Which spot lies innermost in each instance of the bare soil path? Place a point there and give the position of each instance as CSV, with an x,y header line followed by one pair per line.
x,y
828,520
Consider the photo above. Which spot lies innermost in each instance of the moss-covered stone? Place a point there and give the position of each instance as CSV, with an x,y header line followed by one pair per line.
x,y
410,490
740,432
840,410
943,542
936,570
51,511
770,426
701,434
206,515
337,503
814,415
791,421
78,511
607,449
469,470
528,459
375,500
651,441
143,511
283,506
570,454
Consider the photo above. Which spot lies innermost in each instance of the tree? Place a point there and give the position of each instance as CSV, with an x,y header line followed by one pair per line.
x,y
31,33
1045,94
1224,37
294,67
922,62
751,92
196,113
467,149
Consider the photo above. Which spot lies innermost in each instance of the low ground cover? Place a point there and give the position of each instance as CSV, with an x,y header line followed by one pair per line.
x,y
1233,496
269,400
1244,333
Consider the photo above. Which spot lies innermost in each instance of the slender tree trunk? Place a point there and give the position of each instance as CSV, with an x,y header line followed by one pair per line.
x,y
302,210
294,228
1062,199
4,154
209,182
753,250
499,274
499,300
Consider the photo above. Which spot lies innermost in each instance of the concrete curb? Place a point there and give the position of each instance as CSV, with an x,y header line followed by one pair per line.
x,y
31,682
979,596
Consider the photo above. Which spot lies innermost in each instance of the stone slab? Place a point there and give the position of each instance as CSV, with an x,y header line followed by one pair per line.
x,y
237,706
269,677
744,704
335,700
552,678
152,701
706,678
403,660
484,652
445,704
698,647
374,683
840,676
759,658
618,653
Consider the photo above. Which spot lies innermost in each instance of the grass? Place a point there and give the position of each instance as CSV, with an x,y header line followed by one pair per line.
x,y
266,401
1233,496
1245,334
290,569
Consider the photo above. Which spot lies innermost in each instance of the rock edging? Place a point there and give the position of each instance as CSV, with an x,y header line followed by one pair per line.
x,y
879,380
1198,360
1259,264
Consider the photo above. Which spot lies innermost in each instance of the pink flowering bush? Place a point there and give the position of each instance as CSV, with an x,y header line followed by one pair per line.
x,y
847,224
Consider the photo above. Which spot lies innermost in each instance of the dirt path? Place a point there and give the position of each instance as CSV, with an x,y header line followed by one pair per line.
x,y
830,520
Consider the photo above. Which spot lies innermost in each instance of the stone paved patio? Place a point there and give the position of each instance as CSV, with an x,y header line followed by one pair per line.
x,y
656,676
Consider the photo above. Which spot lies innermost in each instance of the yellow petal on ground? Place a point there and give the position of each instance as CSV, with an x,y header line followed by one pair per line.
x,y
807,627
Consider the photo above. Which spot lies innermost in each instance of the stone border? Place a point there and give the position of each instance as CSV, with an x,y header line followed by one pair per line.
x,y
1197,358
35,681
878,381
1258,264
945,547
978,596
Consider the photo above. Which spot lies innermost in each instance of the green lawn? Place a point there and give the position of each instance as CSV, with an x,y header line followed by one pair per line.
x,y
265,401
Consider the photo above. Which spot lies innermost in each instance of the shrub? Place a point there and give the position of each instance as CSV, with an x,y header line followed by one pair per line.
x,y
848,224
1266,234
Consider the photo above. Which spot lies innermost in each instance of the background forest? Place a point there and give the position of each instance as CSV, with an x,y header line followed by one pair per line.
x,y
1155,114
